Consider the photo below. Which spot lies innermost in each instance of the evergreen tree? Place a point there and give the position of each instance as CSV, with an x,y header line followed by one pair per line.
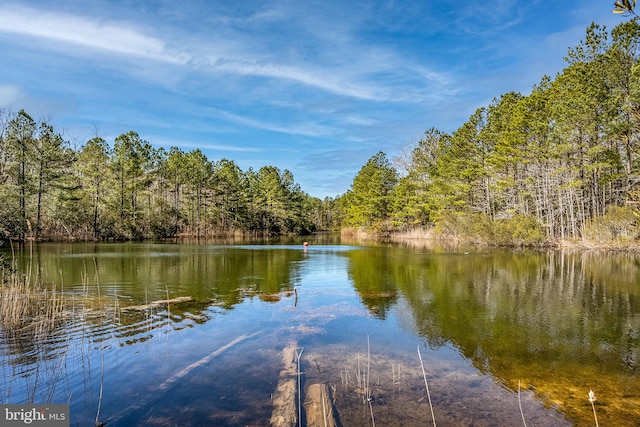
x,y
369,196
51,160
20,149
131,158
92,166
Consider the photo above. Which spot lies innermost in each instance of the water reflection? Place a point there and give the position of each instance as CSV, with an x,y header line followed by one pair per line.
x,y
560,323
372,274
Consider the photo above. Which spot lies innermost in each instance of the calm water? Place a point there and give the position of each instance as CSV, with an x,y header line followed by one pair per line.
x,y
486,322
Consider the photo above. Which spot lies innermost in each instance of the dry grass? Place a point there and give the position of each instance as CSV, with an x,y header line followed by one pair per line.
x,y
419,233
26,303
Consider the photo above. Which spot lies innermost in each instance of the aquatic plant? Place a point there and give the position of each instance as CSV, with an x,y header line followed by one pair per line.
x,y
30,312
592,399
26,303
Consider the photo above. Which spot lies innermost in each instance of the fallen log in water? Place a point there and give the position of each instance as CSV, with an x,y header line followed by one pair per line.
x,y
155,304
318,407
178,376
184,371
284,398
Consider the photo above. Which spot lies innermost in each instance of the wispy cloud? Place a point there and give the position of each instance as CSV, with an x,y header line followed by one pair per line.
x,y
9,95
354,72
326,80
304,129
332,82
481,19
205,146
258,18
117,38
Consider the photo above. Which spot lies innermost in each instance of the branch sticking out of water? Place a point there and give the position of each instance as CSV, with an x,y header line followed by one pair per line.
x,y
426,385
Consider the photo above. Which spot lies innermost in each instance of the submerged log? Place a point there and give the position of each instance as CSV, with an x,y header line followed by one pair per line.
x,y
284,398
156,304
186,370
147,398
319,408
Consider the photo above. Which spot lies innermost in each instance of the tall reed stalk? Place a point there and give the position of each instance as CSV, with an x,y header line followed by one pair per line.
x,y
97,421
368,390
426,385
25,303
592,399
520,406
31,311
299,389
368,386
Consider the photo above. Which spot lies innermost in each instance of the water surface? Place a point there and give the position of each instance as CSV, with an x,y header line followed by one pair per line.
x,y
502,334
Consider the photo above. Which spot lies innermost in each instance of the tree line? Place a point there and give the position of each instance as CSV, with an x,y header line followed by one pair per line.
x,y
541,166
131,190
561,162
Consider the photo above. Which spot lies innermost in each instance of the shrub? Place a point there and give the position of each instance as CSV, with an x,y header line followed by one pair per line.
x,y
518,230
466,226
618,225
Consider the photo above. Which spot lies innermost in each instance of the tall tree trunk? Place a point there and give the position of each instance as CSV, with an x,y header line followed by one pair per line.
x,y
39,206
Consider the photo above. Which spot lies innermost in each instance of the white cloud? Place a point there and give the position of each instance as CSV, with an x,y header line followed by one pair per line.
x,y
88,32
349,70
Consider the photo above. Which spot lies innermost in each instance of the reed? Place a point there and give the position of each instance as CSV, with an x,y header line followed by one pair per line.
x,y
31,311
426,385
358,377
520,405
368,389
592,399
368,392
26,304
97,420
418,233
298,355
373,421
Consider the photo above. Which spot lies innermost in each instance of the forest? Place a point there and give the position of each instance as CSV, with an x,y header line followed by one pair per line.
x,y
562,162
131,190
559,163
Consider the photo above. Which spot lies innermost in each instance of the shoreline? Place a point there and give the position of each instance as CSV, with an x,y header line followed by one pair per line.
x,y
425,236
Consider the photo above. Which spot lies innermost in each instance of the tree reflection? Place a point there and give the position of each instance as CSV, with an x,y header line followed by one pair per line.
x,y
559,321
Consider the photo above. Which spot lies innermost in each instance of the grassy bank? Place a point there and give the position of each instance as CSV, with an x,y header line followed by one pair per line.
x,y
618,229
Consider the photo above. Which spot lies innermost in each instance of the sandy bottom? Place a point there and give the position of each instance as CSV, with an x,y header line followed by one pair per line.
x,y
380,390
383,389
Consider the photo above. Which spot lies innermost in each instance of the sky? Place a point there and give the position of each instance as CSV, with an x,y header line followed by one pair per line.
x,y
315,87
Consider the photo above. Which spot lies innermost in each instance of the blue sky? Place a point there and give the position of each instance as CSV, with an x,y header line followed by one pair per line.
x,y
316,87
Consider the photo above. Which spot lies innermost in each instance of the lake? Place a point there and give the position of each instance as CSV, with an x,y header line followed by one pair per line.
x,y
193,334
